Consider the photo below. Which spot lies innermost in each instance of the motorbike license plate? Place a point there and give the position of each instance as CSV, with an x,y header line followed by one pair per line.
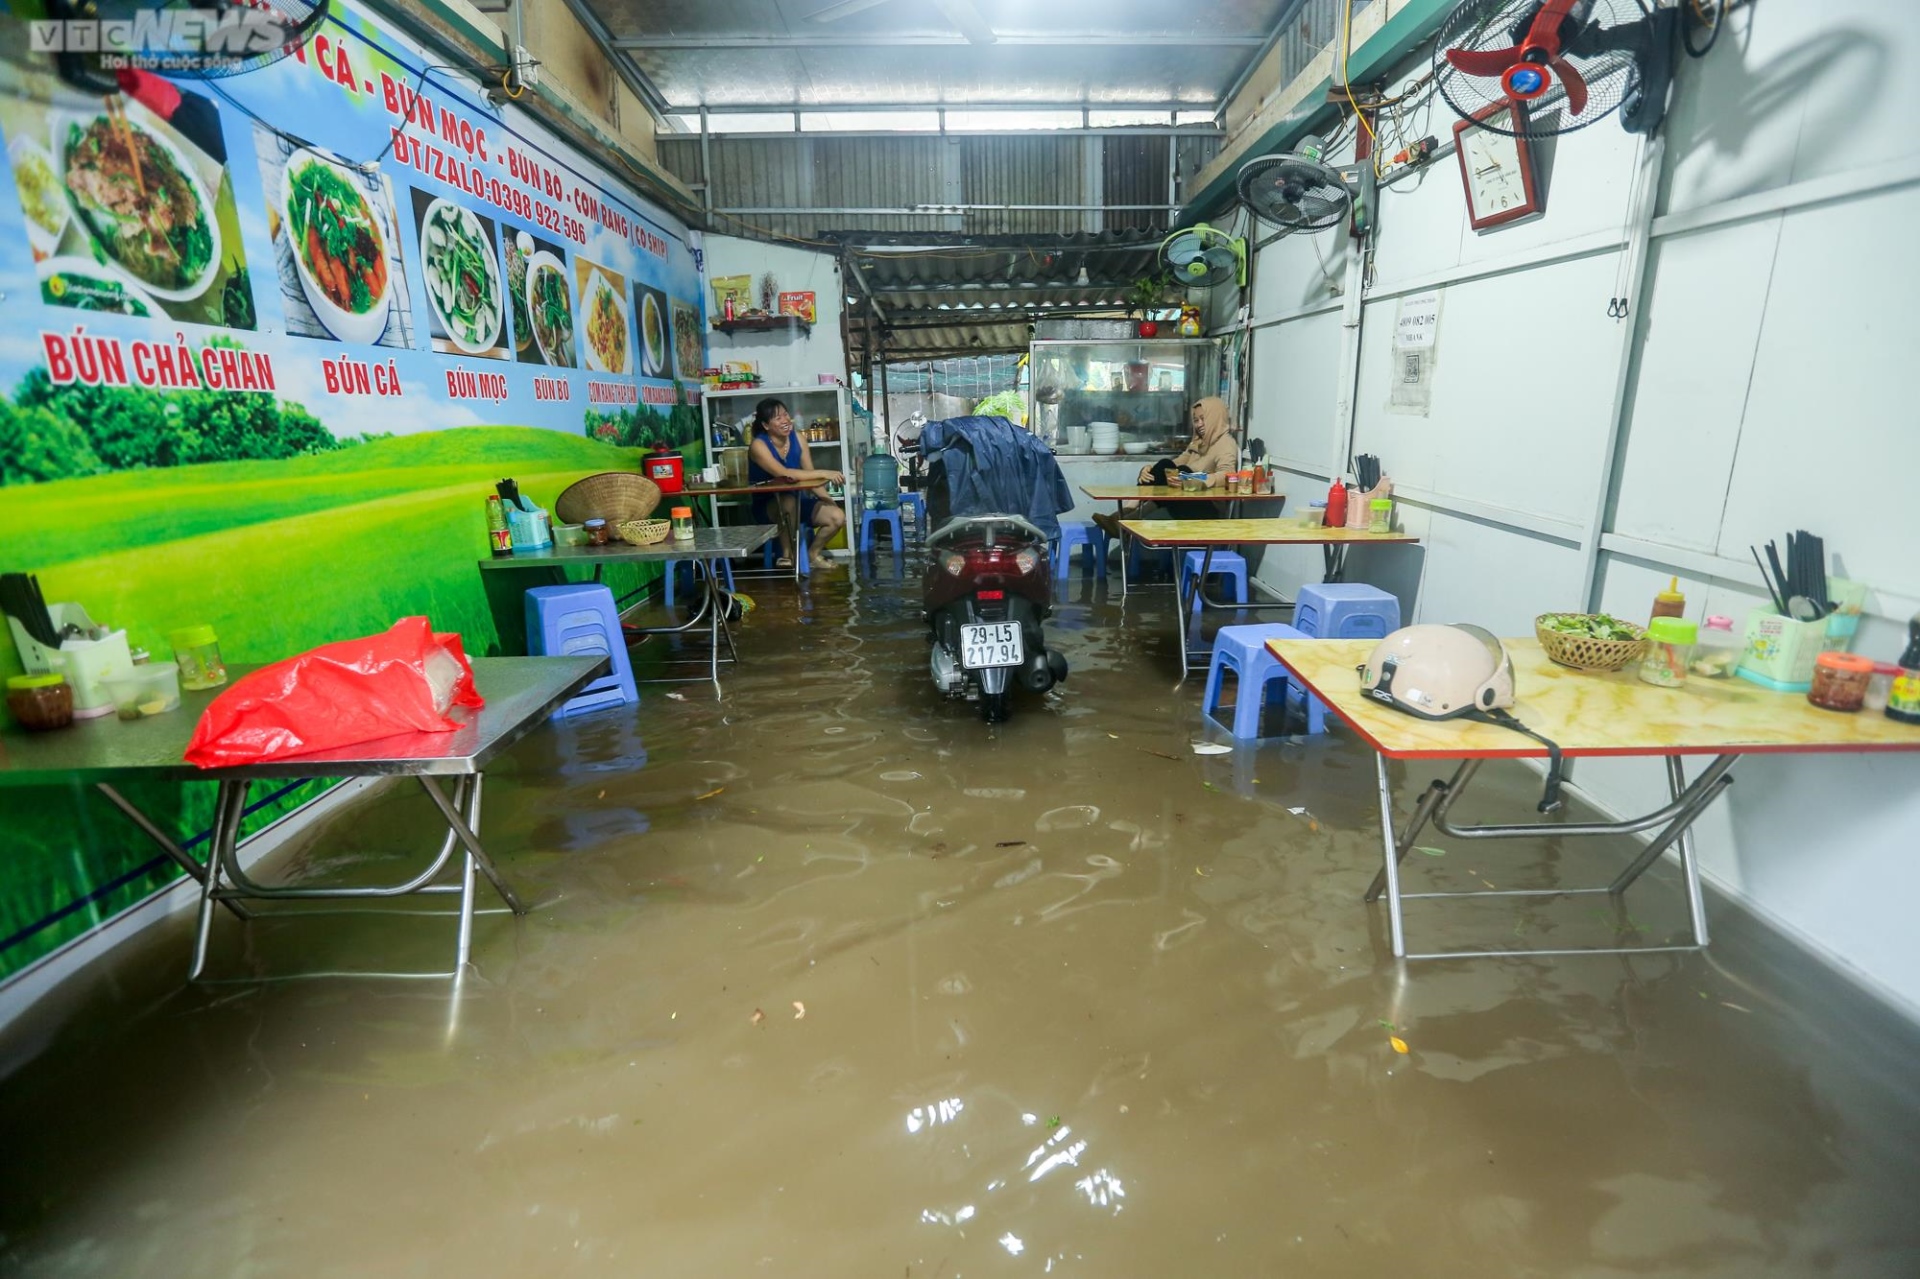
x,y
991,644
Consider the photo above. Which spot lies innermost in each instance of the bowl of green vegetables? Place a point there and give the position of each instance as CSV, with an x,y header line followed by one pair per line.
x,y
1589,641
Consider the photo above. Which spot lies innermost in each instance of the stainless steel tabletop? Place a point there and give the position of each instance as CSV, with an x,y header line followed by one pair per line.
x,y
520,693
728,542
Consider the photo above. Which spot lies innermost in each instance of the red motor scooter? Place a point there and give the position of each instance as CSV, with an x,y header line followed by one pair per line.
x,y
988,587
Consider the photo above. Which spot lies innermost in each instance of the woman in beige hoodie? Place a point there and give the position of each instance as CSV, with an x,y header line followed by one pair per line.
x,y
1212,452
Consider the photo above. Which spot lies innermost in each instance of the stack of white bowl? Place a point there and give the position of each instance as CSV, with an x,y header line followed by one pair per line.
x,y
1105,437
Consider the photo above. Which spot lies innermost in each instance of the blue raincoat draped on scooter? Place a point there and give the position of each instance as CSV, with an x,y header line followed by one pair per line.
x,y
993,467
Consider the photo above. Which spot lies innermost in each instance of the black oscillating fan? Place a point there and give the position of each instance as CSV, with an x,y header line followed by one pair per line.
x,y
1595,56
197,39
1299,191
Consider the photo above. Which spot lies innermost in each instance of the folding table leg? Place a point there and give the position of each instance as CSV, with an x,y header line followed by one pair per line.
x,y
463,945
1391,866
1423,810
166,844
229,803
475,851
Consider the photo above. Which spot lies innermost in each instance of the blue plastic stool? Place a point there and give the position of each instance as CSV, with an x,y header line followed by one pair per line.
x,y
1244,649
918,505
581,620
1229,564
869,517
1080,533
673,573
1345,610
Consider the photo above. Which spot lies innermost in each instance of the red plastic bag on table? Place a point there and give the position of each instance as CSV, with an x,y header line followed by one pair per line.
x,y
402,680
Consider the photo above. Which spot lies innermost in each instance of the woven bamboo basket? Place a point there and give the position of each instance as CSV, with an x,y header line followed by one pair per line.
x,y
643,532
1583,652
612,496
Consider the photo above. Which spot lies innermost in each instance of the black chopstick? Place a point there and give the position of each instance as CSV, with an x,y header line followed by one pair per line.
x,y
1766,580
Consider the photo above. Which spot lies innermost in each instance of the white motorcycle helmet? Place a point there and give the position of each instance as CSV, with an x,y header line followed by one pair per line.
x,y
1439,672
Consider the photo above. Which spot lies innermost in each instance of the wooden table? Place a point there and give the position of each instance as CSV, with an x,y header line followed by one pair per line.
x,y
1168,495
520,693
1181,536
1583,714
708,547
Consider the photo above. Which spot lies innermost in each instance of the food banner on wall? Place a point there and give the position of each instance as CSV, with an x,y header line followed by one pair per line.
x,y
344,230
268,342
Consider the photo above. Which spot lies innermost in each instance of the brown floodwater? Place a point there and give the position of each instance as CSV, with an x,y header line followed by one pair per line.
x,y
828,978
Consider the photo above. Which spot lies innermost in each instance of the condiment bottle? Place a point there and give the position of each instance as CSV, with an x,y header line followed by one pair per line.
x,y
1880,686
1903,699
1380,515
197,650
683,523
1670,602
1337,504
497,530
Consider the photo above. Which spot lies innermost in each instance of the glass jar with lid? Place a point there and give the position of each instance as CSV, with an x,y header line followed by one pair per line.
x,y
1670,642
40,702
197,650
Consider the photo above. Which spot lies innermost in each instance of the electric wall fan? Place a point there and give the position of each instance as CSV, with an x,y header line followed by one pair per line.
x,y
1299,191
1202,257
1601,56
196,39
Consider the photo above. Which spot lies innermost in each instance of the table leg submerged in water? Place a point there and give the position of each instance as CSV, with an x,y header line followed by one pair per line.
x,y
712,610
226,880
1674,823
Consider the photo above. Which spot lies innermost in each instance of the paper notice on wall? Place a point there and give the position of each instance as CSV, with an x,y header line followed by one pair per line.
x,y
1416,350
1418,324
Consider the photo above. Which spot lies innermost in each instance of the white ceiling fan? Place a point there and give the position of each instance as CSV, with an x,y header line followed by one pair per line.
x,y
960,13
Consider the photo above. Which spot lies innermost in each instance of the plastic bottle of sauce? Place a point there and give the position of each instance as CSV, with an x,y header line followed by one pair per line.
x,y
1337,504
1903,699
1670,602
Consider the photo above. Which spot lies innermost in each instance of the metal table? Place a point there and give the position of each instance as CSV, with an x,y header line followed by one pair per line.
x,y
1586,713
1167,495
520,693
708,547
801,566
1205,535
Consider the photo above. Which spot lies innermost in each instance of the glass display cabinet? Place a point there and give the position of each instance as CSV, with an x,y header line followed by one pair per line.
x,y
1077,391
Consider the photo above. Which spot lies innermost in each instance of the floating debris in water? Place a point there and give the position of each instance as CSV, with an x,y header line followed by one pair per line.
x,y
1005,843
709,795
1431,852
1211,748
757,1017
1399,1044
799,1010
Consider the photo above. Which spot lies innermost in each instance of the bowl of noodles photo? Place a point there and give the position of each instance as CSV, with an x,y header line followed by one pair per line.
x,y
339,249
139,198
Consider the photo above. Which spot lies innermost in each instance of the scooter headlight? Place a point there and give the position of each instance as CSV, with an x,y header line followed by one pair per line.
x,y
954,562
1027,561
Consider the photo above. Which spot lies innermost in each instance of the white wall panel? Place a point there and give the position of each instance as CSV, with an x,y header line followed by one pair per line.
x,y
1795,91
1522,395
1494,577
1831,401
1292,404
1288,275
1698,340
1589,175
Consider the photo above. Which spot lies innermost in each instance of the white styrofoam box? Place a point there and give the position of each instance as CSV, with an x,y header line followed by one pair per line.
x,y
1522,397
1830,409
1702,320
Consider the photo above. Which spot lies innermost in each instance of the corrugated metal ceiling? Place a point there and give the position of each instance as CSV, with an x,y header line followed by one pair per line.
x,y
732,53
941,295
